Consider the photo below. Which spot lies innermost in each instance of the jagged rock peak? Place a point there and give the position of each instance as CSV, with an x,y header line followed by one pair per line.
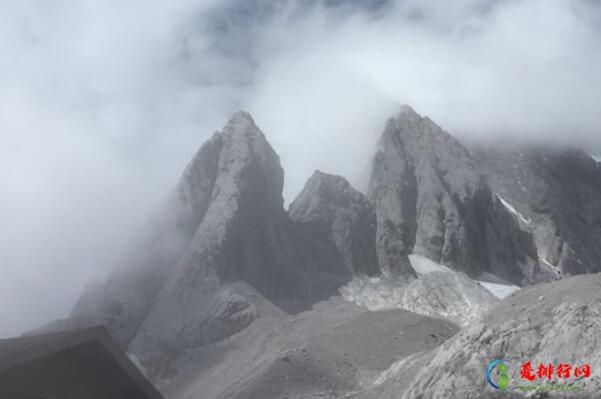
x,y
331,208
242,124
407,111
431,200
421,137
223,161
245,143
323,187
239,130
557,193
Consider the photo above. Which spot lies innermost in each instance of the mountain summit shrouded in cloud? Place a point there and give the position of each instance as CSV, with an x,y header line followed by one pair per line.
x,y
337,243
230,295
103,102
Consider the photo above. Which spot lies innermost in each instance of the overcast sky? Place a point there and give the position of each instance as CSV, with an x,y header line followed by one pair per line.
x,y
102,103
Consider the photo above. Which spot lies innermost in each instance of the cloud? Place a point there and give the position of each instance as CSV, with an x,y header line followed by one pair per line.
x,y
97,116
526,70
103,103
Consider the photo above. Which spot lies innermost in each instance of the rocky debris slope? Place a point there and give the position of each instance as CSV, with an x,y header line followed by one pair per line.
x,y
330,209
553,323
340,350
334,350
437,291
557,195
430,200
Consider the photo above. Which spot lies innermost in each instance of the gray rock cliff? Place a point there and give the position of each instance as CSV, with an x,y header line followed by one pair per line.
x,y
431,200
334,211
224,223
228,295
558,195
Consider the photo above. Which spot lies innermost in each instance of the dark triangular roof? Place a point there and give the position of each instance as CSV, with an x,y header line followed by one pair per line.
x,y
21,350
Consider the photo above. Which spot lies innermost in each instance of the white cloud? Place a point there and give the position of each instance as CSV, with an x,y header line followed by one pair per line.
x,y
103,103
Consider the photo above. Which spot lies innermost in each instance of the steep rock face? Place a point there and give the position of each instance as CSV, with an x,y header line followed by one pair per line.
x,y
430,200
334,211
511,250
245,234
225,223
549,323
557,194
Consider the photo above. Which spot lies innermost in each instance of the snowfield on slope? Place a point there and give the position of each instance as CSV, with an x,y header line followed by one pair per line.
x,y
496,285
438,291
514,211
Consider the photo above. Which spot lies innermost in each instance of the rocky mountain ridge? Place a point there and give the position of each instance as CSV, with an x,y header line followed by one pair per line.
x,y
558,195
431,200
223,262
331,208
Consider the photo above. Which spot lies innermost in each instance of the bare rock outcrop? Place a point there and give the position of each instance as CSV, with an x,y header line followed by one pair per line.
x,y
334,211
224,223
430,200
552,323
557,195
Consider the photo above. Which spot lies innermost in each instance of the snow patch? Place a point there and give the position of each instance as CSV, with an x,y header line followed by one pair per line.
x,y
512,209
134,359
437,291
500,290
423,265
550,265
496,285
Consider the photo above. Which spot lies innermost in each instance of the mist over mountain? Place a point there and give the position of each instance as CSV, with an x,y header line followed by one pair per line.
x,y
225,271
104,102
71,112
410,188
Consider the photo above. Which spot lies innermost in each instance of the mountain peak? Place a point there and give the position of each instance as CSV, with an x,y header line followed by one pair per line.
x,y
323,189
430,200
241,124
331,209
408,111
242,116
326,180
